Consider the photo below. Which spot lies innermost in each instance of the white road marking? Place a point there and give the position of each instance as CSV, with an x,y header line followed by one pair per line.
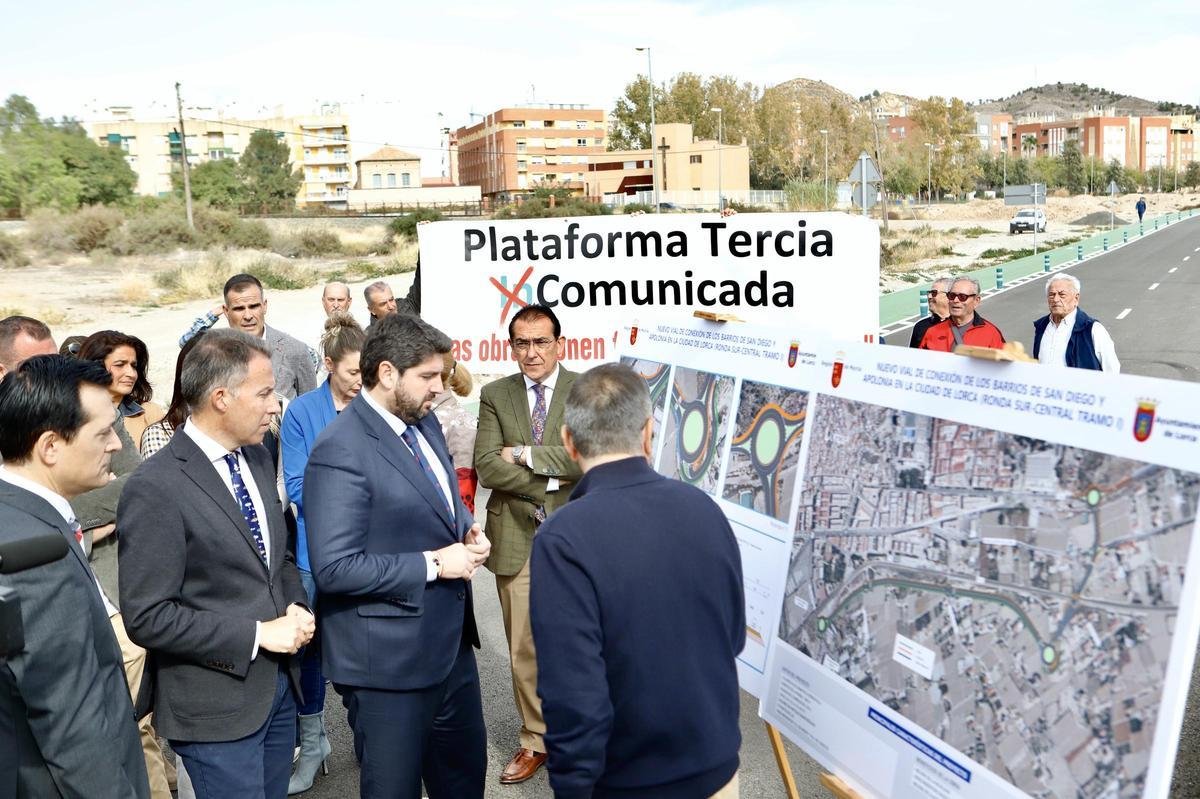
x,y
1186,257
1173,268
1124,313
1153,286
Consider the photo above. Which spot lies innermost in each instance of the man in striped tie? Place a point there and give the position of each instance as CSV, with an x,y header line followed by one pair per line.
x,y
207,584
519,455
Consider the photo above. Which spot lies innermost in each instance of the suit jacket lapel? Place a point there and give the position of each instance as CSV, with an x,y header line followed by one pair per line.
x,y
200,471
554,413
519,396
41,509
397,453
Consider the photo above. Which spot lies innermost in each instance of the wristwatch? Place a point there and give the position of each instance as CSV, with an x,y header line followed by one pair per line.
x,y
519,454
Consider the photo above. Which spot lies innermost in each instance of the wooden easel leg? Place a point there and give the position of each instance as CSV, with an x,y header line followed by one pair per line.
x,y
781,760
838,788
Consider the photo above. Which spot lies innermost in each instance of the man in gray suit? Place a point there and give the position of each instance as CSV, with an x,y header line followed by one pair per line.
x,y
63,698
208,586
292,361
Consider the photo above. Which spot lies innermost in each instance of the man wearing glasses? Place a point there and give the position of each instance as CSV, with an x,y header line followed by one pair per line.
x,y
939,309
520,456
964,325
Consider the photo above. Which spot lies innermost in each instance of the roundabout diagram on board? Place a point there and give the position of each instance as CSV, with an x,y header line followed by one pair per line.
x,y
697,427
658,381
765,451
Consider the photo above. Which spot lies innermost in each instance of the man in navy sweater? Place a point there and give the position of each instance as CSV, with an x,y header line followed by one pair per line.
x,y
638,614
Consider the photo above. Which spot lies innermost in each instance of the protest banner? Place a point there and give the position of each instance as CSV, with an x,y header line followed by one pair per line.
x,y
963,578
599,273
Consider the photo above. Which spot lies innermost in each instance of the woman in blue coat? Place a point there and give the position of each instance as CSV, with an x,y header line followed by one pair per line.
x,y
306,417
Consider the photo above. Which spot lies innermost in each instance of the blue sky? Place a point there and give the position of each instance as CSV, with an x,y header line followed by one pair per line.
x,y
396,65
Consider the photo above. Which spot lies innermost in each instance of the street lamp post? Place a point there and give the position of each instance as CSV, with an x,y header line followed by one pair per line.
x,y
928,175
825,133
653,156
720,194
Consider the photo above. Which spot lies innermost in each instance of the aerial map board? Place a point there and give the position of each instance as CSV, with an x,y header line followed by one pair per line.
x,y
988,585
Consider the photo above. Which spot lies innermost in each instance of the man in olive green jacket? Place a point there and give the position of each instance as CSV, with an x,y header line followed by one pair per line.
x,y
519,455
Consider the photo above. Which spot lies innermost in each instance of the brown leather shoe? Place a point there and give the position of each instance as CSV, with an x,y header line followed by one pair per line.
x,y
524,764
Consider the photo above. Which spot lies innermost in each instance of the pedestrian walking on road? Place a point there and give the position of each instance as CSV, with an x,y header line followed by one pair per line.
x,y
1141,208
939,309
1067,336
964,325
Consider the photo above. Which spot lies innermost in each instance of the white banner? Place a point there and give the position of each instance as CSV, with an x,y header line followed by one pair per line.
x,y
963,578
599,273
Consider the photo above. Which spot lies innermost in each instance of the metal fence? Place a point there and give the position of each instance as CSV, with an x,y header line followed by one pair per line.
x,y
901,305
702,200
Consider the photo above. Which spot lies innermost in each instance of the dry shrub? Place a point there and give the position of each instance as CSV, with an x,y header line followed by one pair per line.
x,y
309,242
161,230
48,231
132,289
93,226
11,252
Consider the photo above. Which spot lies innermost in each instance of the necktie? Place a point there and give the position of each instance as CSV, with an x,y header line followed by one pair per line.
x,y
539,413
242,494
410,438
539,430
78,531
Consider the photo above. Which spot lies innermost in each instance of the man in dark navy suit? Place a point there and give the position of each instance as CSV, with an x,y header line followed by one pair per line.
x,y
638,614
393,548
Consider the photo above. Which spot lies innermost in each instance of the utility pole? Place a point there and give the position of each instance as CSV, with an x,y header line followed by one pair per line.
x,y
187,177
653,157
883,212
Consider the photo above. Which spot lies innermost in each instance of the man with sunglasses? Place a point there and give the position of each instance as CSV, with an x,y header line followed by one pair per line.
x,y
520,456
939,309
964,325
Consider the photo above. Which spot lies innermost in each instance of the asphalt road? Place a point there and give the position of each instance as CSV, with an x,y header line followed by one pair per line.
x,y
1146,293
1159,336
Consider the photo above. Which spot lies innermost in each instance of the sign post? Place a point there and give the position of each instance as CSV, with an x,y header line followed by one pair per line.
x,y
866,174
1112,194
1028,194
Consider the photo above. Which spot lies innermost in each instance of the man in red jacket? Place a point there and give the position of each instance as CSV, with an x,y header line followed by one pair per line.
x,y
965,325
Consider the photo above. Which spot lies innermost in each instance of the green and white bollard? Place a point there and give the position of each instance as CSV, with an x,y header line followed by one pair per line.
x,y
1046,262
1078,252
923,303
999,277
1124,236
1106,243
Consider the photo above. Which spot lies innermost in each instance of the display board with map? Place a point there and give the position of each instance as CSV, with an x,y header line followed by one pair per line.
x,y
988,585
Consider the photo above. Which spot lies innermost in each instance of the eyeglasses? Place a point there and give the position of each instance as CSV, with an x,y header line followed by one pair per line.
x,y
933,293
950,295
540,344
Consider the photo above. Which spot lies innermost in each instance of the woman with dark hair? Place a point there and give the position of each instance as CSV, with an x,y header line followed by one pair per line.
x,y
305,418
127,360
157,434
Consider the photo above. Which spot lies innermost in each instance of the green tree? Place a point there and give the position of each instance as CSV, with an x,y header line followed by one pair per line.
x,y
1191,176
631,116
773,159
213,182
268,177
1072,168
1114,173
950,126
1018,171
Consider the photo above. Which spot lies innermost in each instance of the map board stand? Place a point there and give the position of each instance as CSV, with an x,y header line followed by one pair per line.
x,y
1011,351
781,759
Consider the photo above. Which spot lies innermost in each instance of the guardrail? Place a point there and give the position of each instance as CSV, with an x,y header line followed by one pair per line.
x,y
899,306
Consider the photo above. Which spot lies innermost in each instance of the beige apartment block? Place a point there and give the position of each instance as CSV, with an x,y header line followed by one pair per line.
x,y
390,179
317,146
692,168
513,150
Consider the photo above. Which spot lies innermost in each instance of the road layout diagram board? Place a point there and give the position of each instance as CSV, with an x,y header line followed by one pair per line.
x,y
992,588
963,578
737,438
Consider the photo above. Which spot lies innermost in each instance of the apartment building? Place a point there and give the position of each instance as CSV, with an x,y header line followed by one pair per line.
x,y
689,166
1136,142
512,150
390,178
317,144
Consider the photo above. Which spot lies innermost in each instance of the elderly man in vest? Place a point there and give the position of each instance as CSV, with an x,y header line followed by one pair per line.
x,y
1067,336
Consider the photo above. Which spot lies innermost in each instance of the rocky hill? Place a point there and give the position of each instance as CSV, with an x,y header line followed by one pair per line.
x,y
1064,99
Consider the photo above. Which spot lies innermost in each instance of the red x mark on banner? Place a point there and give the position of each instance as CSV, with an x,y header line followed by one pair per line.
x,y
512,295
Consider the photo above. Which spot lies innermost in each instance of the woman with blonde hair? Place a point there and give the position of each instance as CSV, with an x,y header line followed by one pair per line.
x,y
459,426
305,418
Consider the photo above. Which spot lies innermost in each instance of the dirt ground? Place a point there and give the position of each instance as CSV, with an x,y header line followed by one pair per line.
x,y
960,229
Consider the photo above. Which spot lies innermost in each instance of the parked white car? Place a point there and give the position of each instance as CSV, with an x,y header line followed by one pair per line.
x,y
1027,219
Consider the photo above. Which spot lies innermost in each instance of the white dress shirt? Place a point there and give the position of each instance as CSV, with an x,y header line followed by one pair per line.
x,y
1056,337
216,453
63,507
398,427
552,482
